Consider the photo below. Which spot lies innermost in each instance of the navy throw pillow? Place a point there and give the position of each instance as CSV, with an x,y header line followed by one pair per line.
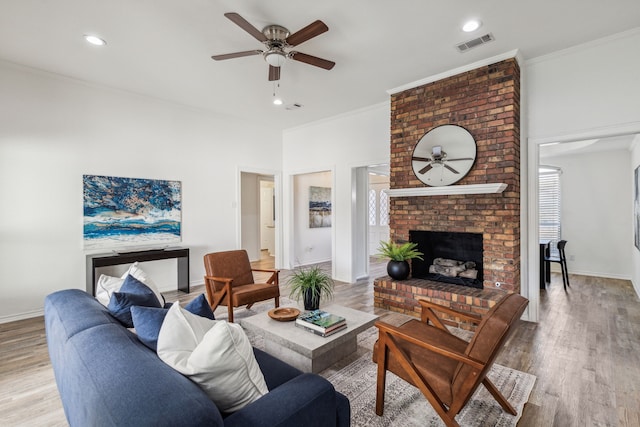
x,y
148,320
200,307
132,293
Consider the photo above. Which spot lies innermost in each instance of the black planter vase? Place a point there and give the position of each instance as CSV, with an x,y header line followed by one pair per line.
x,y
310,303
398,270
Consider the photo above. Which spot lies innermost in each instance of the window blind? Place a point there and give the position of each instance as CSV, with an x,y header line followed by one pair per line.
x,y
549,200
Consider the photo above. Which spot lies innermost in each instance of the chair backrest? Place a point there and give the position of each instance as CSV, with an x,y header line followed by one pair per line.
x,y
561,245
492,332
231,264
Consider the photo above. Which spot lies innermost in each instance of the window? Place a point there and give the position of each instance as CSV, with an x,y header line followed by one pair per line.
x,y
384,208
372,207
549,204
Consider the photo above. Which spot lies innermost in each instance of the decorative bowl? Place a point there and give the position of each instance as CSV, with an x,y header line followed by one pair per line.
x,y
284,314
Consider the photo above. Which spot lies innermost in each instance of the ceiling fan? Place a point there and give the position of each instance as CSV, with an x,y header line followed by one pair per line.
x,y
276,40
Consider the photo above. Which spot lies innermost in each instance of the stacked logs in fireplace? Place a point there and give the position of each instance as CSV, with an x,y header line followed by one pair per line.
x,y
454,268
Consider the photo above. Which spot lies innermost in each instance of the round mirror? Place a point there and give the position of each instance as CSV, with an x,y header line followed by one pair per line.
x,y
444,155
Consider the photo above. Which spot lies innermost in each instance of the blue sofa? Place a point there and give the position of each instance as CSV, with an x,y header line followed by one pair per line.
x,y
107,377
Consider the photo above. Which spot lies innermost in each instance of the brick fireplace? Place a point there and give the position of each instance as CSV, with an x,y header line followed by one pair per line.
x,y
486,102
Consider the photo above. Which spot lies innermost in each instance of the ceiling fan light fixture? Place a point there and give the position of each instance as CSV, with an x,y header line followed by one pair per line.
x,y
275,58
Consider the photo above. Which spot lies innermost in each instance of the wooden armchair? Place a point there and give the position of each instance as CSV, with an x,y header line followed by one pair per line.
x,y
446,369
229,281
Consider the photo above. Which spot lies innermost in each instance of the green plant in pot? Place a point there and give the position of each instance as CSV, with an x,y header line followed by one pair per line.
x,y
311,284
398,254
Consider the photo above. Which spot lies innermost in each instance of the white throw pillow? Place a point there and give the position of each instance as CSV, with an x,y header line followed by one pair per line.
x,y
107,285
215,354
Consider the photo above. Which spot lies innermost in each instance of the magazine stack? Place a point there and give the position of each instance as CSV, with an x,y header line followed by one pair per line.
x,y
321,323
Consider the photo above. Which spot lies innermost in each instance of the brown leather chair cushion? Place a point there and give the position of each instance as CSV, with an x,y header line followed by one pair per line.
x,y
233,264
491,333
437,370
246,294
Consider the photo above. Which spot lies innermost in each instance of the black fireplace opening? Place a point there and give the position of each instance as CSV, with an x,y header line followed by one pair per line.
x,y
449,257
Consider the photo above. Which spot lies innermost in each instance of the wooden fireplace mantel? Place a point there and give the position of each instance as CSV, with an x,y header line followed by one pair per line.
x,y
447,190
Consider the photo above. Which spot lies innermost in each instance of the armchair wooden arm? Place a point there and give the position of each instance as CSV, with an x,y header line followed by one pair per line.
x,y
274,279
395,332
428,314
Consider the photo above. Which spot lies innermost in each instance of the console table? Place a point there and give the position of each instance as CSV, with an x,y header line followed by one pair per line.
x,y
118,258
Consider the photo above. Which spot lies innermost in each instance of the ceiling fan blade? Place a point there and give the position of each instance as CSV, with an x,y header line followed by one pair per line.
x,y
236,55
453,160
310,31
425,169
451,169
245,25
274,73
421,159
312,60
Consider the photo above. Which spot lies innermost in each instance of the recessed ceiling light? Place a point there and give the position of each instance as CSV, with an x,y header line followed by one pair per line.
x,y
471,25
277,101
94,40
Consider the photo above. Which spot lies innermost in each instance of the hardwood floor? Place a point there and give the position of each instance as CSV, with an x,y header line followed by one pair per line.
x,y
585,353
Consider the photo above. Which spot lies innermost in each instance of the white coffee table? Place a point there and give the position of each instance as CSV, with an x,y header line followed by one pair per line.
x,y
303,349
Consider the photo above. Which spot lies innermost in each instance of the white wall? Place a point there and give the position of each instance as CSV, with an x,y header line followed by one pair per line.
x,y
311,245
587,88
596,212
54,129
635,253
360,138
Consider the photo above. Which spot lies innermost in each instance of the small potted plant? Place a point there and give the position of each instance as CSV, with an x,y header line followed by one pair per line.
x,y
311,284
398,254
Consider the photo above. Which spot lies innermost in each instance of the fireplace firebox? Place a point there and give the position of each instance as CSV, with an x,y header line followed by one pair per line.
x,y
449,257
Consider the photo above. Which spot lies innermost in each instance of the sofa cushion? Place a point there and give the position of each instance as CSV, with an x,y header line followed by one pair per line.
x,y
132,293
217,355
148,320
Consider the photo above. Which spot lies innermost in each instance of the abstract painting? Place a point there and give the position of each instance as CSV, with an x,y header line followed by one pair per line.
x,y
130,211
319,207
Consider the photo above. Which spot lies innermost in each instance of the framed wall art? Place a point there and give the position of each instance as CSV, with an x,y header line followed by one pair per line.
x,y
319,207
130,211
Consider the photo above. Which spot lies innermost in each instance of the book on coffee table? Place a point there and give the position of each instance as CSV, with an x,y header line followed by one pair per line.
x,y
320,333
321,321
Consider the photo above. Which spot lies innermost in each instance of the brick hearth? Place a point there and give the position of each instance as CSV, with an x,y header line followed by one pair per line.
x,y
486,102
402,297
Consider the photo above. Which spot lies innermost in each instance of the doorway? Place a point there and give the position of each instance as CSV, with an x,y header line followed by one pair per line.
x,y
258,215
595,178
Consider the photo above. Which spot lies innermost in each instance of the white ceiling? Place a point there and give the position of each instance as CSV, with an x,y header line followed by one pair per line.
x,y
162,48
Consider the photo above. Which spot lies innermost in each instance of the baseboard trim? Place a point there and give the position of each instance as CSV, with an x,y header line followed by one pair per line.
x,y
22,316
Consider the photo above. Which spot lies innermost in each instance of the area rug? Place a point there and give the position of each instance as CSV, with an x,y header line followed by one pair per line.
x,y
355,377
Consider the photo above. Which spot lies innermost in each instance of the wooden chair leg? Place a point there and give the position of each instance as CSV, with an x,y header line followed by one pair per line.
x,y
382,377
499,397
277,299
230,311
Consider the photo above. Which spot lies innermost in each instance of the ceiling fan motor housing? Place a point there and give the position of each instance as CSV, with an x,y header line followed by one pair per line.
x,y
275,33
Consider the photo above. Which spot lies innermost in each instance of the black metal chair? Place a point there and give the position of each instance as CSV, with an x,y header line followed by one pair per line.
x,y
562,260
